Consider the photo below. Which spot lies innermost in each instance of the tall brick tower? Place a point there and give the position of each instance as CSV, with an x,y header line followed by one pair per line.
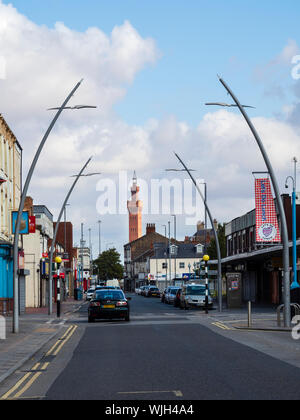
x,y
135,207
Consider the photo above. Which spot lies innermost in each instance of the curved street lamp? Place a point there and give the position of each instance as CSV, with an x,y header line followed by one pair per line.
x,y
55,235
214,231
295,284
21,208
285,239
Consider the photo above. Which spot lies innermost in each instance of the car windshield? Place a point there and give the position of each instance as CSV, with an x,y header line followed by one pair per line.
x,y
109,295
154,289
173,291
195,290
91,290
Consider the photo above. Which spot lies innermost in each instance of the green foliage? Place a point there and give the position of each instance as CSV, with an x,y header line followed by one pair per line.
x,y
212,250
108,265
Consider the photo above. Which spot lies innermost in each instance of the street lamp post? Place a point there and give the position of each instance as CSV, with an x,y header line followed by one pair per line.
x,y
55,234
214,231
99,222
21,207
295,284
285,239
170,268
175,255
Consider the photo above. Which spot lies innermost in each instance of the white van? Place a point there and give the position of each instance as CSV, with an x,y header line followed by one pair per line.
x,y
193,295
113,283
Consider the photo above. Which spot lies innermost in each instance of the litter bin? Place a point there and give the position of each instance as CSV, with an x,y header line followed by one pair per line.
x,y
79,294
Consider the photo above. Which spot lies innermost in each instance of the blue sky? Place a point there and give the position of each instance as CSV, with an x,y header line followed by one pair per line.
x,y
197,40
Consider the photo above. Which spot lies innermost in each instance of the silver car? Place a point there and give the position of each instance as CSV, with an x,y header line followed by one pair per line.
x,y
171,294
193,295
90,294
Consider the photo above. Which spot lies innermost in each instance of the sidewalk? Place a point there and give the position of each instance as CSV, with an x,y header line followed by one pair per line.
x,y
264,318
36,329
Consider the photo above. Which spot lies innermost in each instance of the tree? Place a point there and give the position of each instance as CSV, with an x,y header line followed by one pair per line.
x,y
212,250
108,265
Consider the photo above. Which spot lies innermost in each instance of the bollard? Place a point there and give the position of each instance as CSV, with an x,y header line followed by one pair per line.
x,y
249,314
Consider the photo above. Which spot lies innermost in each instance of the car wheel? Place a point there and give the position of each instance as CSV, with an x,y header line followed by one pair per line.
x,y
127,318
185,306
90,319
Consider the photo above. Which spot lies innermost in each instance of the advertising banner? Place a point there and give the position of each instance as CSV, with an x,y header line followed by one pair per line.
x,y
32,224
24,226
267,229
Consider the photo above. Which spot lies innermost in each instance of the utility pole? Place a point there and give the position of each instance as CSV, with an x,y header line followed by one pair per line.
x,y
174,215
170,270
99,221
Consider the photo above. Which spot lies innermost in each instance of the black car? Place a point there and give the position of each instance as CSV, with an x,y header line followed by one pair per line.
x,y
109,304
153,291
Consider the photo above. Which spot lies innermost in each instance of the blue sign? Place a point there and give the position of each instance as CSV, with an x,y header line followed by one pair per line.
x,y
24,225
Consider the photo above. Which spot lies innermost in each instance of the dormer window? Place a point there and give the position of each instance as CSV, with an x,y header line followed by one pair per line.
x,y
199,249
173,249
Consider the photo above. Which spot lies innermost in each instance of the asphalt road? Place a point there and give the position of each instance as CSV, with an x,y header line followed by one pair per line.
x,y
162,354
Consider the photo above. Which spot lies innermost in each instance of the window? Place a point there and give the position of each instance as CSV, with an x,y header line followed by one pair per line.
x,y
181,265
164,265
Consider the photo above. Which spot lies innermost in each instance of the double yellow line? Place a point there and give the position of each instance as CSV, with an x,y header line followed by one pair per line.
x,y
41,367
220,325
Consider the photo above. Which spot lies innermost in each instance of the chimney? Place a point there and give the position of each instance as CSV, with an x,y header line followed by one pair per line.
x,y
28,205
150,228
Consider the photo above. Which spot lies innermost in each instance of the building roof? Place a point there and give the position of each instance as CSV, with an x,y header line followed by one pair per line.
x,y
41,209
184,250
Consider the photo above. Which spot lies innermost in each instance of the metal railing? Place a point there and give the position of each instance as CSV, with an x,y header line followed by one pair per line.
x,y
280,308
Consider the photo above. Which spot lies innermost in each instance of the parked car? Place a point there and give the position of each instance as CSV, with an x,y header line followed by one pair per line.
x,y
138,291
145,291
170,294
90,293
177,298
163,295
142,288
153,291
193,295
109,304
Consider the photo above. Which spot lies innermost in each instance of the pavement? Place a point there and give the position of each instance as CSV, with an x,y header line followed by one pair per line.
x,y
263,318
36,328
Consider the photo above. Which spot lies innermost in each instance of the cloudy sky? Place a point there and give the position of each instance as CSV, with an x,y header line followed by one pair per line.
x,y
150,67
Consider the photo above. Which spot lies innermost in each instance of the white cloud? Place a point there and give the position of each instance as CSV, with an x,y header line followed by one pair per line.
x,y
42,67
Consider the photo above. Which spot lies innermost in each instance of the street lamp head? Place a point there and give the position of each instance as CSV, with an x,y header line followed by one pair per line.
x,y
205,258
73,107
227,105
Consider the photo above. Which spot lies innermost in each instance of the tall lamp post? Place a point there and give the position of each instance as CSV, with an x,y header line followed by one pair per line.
x,y
175,255
285,239
56,231
214,231
295,284
21,207
99,222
